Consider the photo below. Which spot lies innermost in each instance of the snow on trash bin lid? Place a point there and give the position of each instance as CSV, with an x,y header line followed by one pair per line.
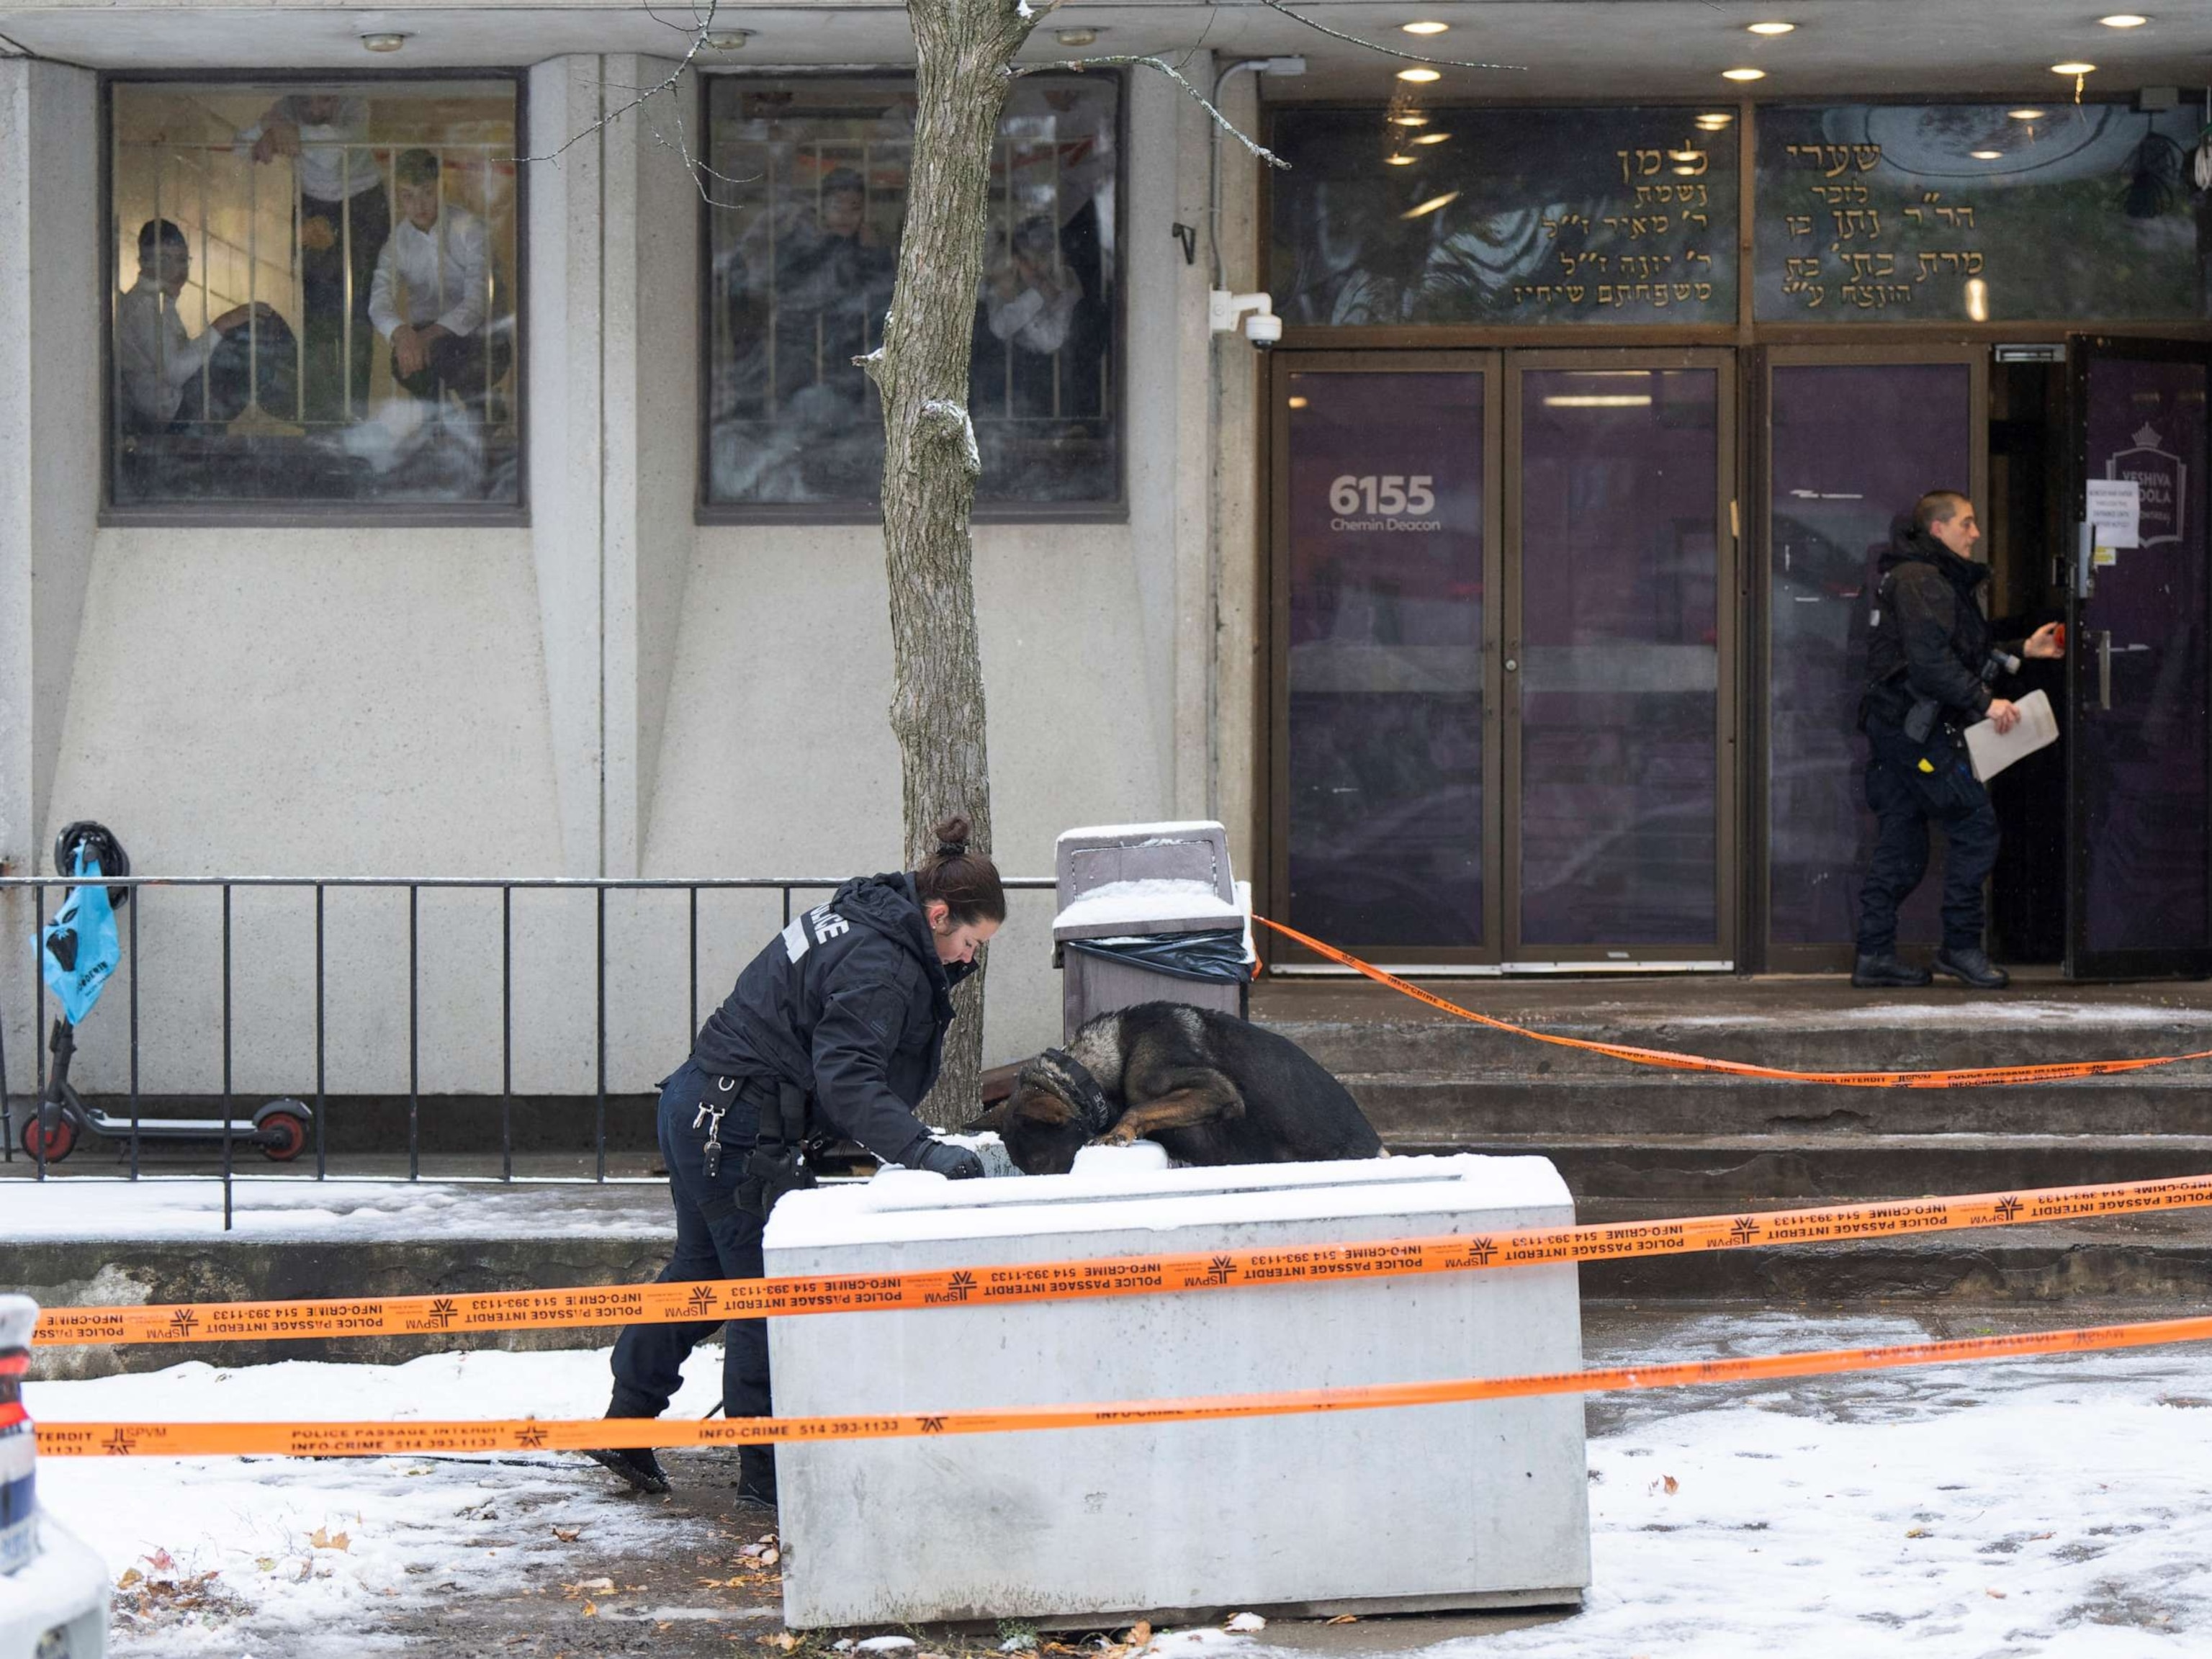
x,y
1135,906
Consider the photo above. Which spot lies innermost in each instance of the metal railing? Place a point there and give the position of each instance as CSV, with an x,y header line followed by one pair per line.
x,y
413,887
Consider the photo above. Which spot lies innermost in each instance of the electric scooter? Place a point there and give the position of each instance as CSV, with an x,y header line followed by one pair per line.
x,y
53,1127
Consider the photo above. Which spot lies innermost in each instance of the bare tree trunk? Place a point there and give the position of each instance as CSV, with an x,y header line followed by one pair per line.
x,y
963,49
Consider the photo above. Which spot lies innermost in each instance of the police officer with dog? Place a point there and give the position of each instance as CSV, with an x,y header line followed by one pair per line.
x,y
1931,670
834,1031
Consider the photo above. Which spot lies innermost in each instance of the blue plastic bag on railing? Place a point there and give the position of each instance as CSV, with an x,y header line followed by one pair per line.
x,y
79,949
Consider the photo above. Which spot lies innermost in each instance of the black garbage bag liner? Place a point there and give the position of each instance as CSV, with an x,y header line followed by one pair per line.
x,y
1216,954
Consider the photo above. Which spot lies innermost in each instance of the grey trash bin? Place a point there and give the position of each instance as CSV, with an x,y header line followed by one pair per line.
x,y
1149,913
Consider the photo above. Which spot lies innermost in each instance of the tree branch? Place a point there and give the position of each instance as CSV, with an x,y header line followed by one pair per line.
x,y
1377,45
1079,64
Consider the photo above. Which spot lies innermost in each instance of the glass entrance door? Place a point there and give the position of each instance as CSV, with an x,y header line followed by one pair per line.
x,y
1620,558
1503,650
2139,898
1384,756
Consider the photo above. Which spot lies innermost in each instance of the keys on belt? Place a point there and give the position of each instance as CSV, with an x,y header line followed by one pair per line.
x,y
710,1114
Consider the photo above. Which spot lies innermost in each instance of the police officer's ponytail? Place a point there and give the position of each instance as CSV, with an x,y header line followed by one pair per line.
x,y
967,883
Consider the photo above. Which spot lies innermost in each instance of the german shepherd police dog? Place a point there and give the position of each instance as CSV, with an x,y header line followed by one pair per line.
x,y
1209,1087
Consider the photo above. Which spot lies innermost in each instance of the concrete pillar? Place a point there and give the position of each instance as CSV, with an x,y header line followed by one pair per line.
x,y
613,403
51,290
1240,523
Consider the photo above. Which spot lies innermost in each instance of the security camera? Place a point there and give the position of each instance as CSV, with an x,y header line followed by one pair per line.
x,y
1261,327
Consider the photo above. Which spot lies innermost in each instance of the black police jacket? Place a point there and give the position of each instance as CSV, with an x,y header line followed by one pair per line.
x,y
850,1005
1927,638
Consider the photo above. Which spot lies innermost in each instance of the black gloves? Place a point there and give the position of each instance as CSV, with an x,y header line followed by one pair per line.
x,y
953,1163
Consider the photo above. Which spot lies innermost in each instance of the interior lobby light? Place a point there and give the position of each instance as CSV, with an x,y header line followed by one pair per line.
x,y
1986,155
1426,27
2026,114
1418,74
2073,67
1397,161
2124,20
1432,137
1715,122
1743,75
1770,29
1422,209
1409,119
1600,400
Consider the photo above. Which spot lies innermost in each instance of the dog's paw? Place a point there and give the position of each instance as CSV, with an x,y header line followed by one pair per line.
x,y
1116,1136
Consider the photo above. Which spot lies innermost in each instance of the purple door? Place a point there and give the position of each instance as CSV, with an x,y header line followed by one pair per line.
x,y
2140,893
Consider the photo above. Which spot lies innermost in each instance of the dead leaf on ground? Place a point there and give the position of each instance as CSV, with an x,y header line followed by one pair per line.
x,y
130,1576
323,1539
1916,1532
1995,1595
591,1609
567,1535
1140,1633
1344,1619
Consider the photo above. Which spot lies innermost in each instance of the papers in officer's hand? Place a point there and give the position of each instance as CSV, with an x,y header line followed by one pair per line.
x,y
1991,752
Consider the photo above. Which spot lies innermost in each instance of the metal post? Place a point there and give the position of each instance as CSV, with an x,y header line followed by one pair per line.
x,y
345,253
322,1101
7,1106
694,960
414,1043
226,1056
38,990
506,1032
300,304
600,954
134,902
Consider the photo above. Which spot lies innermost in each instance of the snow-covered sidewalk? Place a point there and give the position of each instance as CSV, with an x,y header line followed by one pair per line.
x,y
2054,1506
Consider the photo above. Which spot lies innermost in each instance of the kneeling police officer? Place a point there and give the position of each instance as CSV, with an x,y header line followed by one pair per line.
x,y
836,1028
1930,664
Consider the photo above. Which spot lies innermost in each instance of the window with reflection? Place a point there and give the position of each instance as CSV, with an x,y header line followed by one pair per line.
x,y
809,177
314,293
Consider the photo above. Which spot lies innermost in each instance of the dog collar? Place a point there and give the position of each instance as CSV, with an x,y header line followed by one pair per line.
x,y
1097,1112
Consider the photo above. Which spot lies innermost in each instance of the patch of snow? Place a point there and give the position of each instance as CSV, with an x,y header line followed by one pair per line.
x,y
1151,898
412,1526
1183,830
1423,1189
287,1207
884,1644
1246,1623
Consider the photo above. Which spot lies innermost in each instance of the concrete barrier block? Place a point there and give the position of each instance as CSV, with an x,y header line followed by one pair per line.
x,y
1479,1504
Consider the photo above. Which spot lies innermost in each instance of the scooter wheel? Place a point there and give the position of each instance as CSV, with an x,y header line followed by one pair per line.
x,y
60,1140
289,1133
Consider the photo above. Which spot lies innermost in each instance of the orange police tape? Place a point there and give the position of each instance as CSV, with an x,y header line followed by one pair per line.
x,y
399,1439
1969,1076
1086,1279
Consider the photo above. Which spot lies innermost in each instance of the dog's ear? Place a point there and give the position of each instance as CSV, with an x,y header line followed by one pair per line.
x,y
1040,1106
991,1122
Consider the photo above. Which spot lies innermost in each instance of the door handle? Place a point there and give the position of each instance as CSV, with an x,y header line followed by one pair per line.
x,y
2104,669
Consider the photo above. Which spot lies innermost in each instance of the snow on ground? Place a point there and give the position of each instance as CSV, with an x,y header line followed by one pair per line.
x,y
397,1532
2057,1506
286,1207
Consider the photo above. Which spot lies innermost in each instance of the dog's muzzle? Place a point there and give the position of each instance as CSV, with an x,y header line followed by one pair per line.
x,y
1083,1091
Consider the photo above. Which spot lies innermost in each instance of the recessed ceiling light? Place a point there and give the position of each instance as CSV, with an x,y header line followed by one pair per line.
x,y
384,42
1715,122
1770,29
2073,68
1986,155
727,40
2124,20
1298,403
1425,27
2026,114
1743,75
1398,160
1077,37
1421,209
1432,137
1418,74
1409,120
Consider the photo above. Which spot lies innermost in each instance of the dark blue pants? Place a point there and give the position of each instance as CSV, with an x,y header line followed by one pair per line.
x,y
1906,799
714,1239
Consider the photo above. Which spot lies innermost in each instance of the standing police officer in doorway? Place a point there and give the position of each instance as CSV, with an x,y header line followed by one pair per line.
x,y
834,1028
1929,665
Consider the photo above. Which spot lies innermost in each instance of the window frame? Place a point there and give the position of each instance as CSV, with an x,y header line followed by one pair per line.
x,y
708,512
308,515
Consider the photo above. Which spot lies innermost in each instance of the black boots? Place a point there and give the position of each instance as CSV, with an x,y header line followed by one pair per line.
x,y
1972,966
756,1473
637,1465
1884,968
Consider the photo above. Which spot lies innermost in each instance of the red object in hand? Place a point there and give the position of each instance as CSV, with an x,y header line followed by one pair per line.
x,y
2060,636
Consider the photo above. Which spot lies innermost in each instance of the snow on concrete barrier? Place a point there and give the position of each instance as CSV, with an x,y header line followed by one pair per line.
x,y
53,1590
1469,1505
